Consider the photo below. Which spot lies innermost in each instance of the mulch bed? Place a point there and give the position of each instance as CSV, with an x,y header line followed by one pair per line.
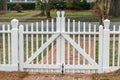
x,y
58,76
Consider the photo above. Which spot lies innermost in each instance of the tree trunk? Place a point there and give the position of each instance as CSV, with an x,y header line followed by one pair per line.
x,y
103,7
48,9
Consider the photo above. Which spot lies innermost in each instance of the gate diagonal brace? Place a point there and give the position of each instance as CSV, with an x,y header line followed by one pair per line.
x,y
42,48
73,43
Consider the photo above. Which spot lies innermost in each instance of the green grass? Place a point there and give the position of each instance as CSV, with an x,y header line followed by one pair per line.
x,y
104,79
17,14
75,13
53,13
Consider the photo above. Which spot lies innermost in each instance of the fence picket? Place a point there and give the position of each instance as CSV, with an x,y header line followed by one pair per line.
x,y
73,40
79,42
4,43
84,41
47,40
94,52
32,43
42,40
89,41
9,44
68,25
27,42
37,41
113,51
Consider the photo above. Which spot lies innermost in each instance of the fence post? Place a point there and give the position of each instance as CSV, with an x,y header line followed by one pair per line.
x,y
62,39
100,60
14,43
106,45
58,39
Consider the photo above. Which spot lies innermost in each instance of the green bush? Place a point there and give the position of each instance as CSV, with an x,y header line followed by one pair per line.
x,y
37,5
25,6
18,7
56,4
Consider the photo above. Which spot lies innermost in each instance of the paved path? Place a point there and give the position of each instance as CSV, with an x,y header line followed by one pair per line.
x,y
24,18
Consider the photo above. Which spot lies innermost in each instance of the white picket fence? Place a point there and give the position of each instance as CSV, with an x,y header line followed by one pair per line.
x,y
55,46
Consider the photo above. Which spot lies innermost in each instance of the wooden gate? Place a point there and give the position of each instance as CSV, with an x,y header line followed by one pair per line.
x,y
53,47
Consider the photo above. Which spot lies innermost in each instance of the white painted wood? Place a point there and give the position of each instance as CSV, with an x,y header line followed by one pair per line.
x,y
73,40
106,43
8,67
27,42
89,41
47,40
100,53
37,41
14,41
83,53
52,24
32,43
21,47
9,46
79,42
62,39
113,51
81,67
58,42
84,40
42,48
4,43
95,44
68,25
42,66
42,39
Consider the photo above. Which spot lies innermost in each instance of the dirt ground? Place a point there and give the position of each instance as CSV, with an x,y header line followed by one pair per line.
x,y
57,76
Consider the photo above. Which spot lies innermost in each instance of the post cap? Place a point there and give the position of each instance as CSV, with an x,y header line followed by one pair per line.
x,y
106,23
14,23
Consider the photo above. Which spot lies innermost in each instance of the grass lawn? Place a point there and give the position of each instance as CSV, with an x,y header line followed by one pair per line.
x,y
18,14
74,13
53,13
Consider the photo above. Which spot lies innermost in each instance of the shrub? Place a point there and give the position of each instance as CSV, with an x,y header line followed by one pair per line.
x,y
18,7
25,6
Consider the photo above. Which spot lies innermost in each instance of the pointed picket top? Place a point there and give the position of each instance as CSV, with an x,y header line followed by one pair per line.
x,y
58,13
63,13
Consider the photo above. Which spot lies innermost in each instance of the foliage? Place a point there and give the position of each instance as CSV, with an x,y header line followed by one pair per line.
x,y
77,4
69,4
3,4
37,5
25,6
18,7
84,5
56,4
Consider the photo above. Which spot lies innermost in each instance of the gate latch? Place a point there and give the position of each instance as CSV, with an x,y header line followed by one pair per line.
x,y
62,69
